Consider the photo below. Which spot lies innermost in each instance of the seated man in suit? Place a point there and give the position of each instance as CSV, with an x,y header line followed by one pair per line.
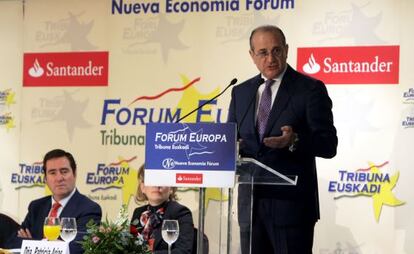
x,y
60,175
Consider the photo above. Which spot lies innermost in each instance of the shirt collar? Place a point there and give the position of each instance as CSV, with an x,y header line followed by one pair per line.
x,y
278,78
64,201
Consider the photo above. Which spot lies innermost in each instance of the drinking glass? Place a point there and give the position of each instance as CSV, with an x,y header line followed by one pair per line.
x,y
51,228
69,228
170,231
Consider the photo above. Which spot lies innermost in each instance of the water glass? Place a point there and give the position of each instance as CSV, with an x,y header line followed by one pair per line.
x,y
68,229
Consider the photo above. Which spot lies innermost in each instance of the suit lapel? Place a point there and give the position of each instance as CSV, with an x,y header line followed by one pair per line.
x,y
47,208
70,207
251,115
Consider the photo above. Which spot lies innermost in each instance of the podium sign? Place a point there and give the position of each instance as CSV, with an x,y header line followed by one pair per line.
x,y
50,247
190,155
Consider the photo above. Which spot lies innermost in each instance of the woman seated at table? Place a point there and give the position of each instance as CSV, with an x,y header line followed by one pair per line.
x,y
161,205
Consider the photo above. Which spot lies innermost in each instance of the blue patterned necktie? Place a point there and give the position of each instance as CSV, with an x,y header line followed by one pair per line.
x,y
264,108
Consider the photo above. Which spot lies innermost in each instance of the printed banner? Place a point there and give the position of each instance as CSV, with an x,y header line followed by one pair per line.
x,y
65,69
202,154
351,65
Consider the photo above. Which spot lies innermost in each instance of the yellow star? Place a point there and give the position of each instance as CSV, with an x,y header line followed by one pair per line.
x,y
385,195
190,100
10,98
130,181
214,194
10,124
47,190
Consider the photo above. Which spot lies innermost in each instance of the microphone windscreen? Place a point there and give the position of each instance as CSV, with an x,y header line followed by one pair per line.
x,y
233,81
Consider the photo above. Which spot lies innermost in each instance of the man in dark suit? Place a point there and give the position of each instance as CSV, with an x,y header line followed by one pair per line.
x,y
60,175
284,120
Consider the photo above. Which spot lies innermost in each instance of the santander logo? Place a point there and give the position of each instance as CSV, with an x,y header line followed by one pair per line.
x,y
190,178
65,69
311,67
36,71
351,65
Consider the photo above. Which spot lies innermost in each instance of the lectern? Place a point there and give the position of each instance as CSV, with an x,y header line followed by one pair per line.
x,y
250,174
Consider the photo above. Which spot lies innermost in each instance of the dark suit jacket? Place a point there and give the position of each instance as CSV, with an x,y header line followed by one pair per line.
x,y
303,103
79,207
173,211
8,226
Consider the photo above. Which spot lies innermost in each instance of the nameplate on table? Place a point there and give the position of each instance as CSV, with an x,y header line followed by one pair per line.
x,y
44,247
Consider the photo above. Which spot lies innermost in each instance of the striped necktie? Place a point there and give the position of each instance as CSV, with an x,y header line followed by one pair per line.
x,y
54,210
264,108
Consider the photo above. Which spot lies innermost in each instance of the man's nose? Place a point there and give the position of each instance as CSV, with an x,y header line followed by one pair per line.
x,y
60,176
271,57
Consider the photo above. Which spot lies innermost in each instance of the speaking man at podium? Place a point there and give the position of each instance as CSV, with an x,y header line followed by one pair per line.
x,y
284,120
60,173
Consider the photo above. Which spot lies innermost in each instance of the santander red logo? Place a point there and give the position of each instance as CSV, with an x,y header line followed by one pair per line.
x,y
351,65
65,69
189,178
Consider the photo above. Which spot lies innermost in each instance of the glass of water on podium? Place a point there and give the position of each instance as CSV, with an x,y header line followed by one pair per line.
x,y
68,229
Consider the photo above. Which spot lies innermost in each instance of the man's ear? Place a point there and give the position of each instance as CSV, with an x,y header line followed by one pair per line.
x,y
251,53
287,50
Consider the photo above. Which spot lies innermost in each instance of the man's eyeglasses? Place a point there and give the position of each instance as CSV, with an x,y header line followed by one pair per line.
x,y
276,52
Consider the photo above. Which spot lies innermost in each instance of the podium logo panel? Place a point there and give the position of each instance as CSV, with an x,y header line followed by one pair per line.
x,y
178,154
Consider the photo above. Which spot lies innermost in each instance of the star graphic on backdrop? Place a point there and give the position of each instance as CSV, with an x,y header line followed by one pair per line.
x,y
48,192
353,115
129,183
190,99
71,112
10,98
259,19
10,124
214,194
76,34
167,36
362,28
385,196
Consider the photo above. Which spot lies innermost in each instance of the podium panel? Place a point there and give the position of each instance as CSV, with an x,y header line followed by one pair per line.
x,y
230,220
250,174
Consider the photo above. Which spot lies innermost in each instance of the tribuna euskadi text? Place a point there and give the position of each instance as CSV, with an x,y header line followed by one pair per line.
x,y
123,7
358,182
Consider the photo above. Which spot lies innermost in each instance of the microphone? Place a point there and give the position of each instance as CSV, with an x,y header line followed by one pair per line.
x,y
259,82
233,82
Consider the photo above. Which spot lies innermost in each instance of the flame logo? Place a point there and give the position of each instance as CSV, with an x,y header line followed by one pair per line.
x,y
311,67
36,71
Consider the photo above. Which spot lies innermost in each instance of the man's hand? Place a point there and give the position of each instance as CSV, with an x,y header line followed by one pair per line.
x,y
287,139
24,233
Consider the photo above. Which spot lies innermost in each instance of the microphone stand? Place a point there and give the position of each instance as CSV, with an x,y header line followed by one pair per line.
x,y
261,80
